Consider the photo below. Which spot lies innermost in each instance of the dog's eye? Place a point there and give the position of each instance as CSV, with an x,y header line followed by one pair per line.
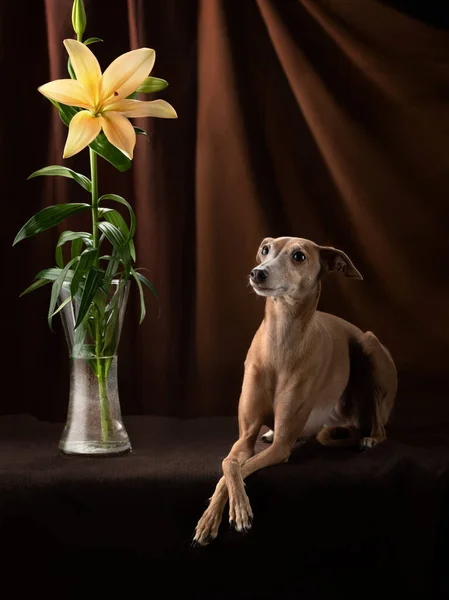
x,y
299,256
265,250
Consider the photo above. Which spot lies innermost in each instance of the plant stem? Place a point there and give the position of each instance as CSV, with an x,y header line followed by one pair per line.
x,y
105,413
94,178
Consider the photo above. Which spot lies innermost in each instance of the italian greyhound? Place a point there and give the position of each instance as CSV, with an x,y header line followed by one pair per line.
x,y
307,374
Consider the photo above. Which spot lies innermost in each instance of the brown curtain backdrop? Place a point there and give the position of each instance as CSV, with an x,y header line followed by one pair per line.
x,y
324,119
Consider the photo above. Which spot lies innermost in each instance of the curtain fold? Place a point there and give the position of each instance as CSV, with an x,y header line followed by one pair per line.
x,y
321,119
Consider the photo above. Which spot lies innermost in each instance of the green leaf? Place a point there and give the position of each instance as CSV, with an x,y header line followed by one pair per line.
x,y
61,306
56,288
110,321
77,246
152,84
79,343
143,310
100,145
93,283
65,112
148,284
132,250
121,200
53,274
86,260
59,257
112,266
140,131
111,334
83,350
47,218
101,298
110,153
68,236
83,181
132,96
92,40
70,69
34,286
114,217
119,242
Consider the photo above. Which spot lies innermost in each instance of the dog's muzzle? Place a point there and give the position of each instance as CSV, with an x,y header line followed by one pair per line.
x,y
258,275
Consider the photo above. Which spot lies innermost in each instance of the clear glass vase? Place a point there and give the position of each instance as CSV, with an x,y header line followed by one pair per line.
x,y
94,423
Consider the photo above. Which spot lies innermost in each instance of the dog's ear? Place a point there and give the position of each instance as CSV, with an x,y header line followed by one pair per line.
x,y
265,242
333,260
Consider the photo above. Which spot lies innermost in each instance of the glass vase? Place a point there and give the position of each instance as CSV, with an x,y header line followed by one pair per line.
x,y
94,423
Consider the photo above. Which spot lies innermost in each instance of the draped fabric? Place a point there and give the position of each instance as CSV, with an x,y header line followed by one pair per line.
x,y
329,519
323,119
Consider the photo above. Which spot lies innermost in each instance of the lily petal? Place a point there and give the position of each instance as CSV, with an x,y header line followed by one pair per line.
x,y
86,67
83,129
126,73
67,91
119,132
151,108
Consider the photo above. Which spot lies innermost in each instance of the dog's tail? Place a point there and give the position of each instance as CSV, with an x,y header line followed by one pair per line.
x,y
338,436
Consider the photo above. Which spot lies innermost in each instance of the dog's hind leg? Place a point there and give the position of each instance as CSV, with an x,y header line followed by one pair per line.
x,y
268,437
384,387
339,436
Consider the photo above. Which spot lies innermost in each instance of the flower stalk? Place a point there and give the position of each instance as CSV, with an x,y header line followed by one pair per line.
x,y
100,370
96,107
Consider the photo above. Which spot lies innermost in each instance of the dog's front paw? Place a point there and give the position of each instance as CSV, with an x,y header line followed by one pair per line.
x,y
240,513
207,527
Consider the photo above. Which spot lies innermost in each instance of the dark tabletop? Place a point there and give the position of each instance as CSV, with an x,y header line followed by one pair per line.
x,y
325,516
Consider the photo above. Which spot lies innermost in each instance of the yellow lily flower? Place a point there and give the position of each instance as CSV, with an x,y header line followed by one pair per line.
x,y
103,96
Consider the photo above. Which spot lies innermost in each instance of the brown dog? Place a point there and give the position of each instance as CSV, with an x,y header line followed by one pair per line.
x,y
307,373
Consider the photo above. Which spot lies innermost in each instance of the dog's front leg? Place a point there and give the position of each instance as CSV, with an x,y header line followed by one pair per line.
x,y
291,415
253,405
207,527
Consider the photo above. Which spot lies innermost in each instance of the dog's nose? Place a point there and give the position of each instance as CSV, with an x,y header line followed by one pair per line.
x,y
259,274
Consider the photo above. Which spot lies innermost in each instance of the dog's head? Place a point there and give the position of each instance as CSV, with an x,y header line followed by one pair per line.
x,y
292,267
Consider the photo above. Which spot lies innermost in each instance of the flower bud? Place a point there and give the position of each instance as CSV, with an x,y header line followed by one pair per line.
x,y
79,19
152,84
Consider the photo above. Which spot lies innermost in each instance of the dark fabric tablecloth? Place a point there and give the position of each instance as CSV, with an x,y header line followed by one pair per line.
x,y
330,521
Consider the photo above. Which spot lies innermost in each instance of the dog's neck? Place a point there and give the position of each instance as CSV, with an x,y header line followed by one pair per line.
x,y
286,314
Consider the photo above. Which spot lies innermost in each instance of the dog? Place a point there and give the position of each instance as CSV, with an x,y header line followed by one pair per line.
x,y
308,374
